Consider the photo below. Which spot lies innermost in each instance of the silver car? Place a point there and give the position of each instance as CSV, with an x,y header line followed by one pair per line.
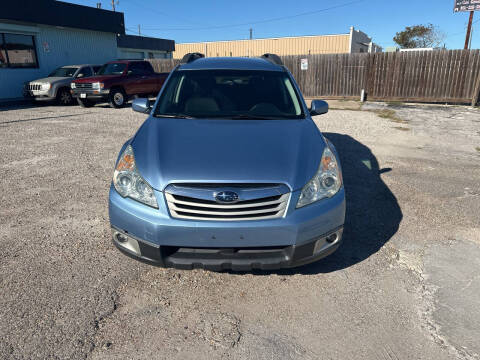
x,y
57,85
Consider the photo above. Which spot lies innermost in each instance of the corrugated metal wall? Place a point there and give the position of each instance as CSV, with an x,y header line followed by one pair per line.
x,y
126,53
56,47
302,45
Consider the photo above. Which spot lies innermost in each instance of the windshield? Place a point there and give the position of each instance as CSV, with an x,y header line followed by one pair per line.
x,y
112,69
63,72
231,94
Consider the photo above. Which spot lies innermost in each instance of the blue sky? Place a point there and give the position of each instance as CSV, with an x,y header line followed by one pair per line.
x,y
191,21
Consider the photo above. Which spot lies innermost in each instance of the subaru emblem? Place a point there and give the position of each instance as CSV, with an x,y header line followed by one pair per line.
x,y
226,197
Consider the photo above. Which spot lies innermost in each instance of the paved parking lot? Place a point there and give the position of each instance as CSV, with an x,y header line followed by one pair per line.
x,y
404,285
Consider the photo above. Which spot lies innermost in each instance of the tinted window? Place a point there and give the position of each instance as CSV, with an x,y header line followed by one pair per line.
x,y
112,69
139,68
96,68
86,71
63,72
230,94
17,51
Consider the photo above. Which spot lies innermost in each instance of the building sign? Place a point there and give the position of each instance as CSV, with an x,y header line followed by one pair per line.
x,y
466,5
46,47
304,63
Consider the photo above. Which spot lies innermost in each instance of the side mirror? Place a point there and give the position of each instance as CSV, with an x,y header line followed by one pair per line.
x,y
141,105
318,107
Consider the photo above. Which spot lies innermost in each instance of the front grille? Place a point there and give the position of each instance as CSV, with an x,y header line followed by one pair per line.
x,y
34,87
267,207
83,85
229,185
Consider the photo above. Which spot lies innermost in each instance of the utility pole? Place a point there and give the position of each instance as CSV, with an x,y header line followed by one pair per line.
x,y
139,33
469,30
251,33
471,37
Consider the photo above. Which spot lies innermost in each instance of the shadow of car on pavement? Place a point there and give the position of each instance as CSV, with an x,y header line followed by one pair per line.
x,y
373,214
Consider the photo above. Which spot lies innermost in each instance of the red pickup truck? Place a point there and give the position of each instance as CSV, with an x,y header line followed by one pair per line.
x,y
116,82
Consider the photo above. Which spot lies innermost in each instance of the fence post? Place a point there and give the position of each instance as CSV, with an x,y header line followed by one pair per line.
x,y
476,91
370,80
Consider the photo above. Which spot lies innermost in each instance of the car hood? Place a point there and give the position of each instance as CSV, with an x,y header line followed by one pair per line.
x,y
51,80
100,78
262,151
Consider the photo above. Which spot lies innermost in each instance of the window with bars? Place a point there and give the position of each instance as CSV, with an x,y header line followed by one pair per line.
x,y
17,51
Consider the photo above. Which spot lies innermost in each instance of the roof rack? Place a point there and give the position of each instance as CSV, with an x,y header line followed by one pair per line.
x,y
273,58
187,58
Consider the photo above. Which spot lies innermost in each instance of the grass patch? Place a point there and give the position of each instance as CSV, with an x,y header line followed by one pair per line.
x,y
390,115
383,113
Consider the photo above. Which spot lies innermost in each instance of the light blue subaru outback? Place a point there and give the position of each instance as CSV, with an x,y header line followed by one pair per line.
x,y
229,171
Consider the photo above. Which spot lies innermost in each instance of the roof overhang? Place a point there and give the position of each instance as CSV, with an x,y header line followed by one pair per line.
x,y
146,43
58,13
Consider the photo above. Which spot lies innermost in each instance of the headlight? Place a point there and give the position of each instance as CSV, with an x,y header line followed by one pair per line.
x,y
97,86
46,86
129,183
72,85
326,182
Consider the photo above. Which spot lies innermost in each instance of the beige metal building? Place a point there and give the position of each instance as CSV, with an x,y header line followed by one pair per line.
x,y
353,42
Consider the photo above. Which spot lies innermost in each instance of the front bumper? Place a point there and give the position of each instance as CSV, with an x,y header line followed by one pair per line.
x,y
237,259
298,238
90,94
40,95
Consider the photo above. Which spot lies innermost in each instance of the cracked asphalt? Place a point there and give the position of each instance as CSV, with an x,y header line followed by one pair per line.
x,y
404,285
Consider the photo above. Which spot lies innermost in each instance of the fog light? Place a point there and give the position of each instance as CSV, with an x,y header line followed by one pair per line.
x,y
331,238
121,238
126,242
327,241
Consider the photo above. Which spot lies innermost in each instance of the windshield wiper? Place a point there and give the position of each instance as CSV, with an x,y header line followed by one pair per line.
x,y
177,116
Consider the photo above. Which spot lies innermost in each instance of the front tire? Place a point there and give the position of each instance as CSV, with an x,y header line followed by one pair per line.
x,y
64,97
117,98
85,103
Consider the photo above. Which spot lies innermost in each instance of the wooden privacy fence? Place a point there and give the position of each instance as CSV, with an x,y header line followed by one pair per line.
x,y
421,76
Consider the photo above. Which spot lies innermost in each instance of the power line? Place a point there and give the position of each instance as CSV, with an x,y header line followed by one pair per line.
x,y
259,22
460,32
169,15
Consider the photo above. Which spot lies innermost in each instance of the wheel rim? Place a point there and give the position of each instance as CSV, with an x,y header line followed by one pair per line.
x,y
118,98
65,98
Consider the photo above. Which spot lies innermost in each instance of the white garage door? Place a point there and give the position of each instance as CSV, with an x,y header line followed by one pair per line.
x,y
132,54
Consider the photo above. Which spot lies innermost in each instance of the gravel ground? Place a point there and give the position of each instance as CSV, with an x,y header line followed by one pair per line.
x,y
404,285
